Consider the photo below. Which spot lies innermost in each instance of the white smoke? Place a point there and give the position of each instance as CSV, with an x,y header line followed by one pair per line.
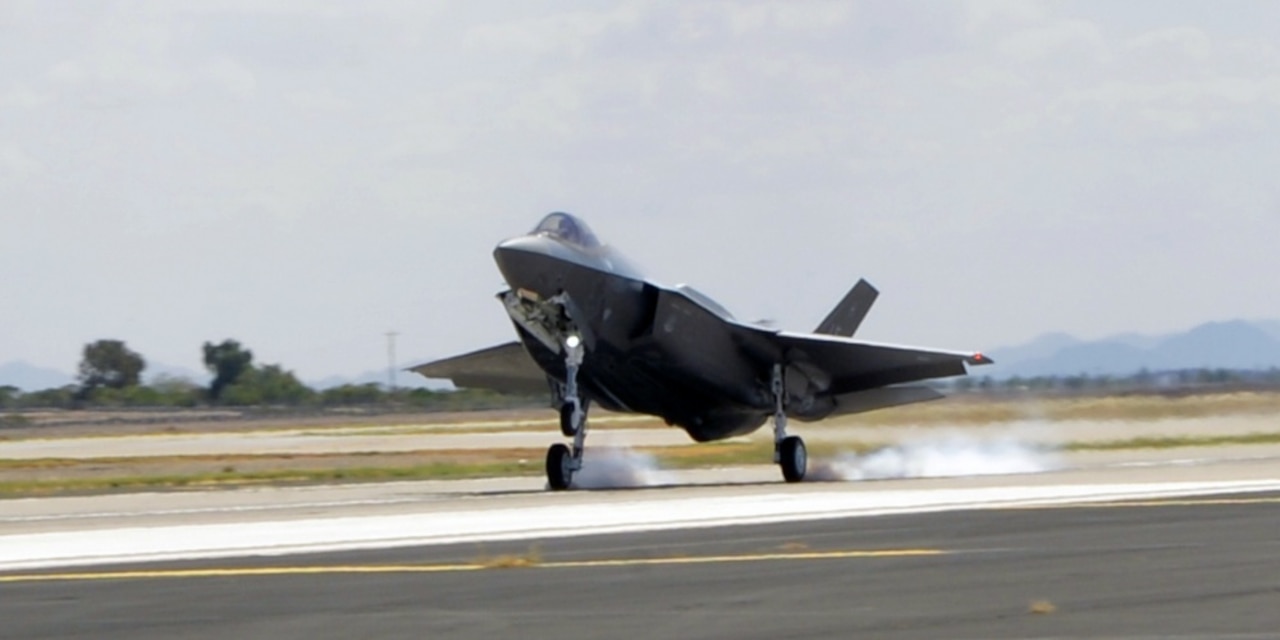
x,y
948,456
618,468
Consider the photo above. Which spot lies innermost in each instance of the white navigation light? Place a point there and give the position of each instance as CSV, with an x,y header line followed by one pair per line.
x,y
573,341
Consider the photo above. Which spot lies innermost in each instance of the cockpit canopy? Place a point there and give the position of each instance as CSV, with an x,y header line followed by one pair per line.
x,y
567,228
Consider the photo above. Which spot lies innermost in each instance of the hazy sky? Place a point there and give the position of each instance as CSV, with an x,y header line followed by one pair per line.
x,y
306,176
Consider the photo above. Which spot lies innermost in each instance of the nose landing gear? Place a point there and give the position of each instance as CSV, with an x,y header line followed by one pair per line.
x,y
562,462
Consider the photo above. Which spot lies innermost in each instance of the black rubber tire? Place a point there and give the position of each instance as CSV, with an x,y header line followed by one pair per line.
x,y
559,467
794,458
567,427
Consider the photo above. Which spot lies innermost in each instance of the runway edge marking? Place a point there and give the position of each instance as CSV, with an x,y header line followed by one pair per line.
x,y
24,552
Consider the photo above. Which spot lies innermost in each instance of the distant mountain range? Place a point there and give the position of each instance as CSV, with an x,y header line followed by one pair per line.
x,y
30,377
1235,344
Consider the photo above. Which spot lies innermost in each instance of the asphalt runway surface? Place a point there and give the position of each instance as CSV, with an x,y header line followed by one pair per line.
x,y
1195,567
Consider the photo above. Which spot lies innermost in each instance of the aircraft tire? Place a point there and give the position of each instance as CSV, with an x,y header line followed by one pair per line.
x,y
559,467
567,426
794,458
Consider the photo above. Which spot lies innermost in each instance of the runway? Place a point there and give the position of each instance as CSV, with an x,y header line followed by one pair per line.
x,y
1199,567
1158,544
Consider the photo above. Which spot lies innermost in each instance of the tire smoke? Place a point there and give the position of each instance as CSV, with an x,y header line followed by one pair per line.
x,y
948,456
611,467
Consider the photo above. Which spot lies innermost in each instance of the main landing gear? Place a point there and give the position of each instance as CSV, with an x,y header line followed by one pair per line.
x,y
788,451
563,462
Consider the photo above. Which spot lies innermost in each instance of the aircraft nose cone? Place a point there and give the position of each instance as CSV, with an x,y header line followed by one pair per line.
x,y
517,250
523,261
520,243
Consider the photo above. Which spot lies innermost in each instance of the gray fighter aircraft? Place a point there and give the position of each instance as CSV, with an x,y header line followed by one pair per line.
x,y
594,329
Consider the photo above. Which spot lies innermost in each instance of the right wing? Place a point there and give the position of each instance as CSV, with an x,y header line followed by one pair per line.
x,y
506,368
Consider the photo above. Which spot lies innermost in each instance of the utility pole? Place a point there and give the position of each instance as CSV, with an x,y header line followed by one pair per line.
x,y
391,361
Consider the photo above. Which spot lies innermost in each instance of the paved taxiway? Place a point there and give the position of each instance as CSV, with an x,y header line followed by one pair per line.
x,y
1195,567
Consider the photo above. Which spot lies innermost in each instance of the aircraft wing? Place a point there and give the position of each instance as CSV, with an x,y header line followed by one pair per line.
x,y
843,365
506,368
863,376
842,375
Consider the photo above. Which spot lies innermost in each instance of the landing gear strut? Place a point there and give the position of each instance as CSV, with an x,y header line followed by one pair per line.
x,y
562,462
788,451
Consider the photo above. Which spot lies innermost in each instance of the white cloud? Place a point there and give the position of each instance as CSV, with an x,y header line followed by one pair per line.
x,y
572,33
788,15
23,97
232,76
1074,38
1000,16
16,163
1177,41
318,100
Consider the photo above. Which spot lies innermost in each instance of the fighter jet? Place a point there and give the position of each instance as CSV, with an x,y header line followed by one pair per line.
x,y
594,330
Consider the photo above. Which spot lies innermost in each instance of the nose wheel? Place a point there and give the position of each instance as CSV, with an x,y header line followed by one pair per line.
x,y
571,418
563,462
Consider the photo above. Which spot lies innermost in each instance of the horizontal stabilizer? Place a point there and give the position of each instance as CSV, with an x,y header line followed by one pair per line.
x,y
845,319
506,368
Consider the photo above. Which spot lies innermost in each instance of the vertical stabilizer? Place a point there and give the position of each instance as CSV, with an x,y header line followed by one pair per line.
x,y
845,319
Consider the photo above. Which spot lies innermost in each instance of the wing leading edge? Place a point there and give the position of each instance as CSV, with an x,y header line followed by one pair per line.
x,y
506,368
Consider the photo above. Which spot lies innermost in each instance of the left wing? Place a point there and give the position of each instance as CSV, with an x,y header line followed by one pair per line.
x,y
843,365
506,368
835,374
863,376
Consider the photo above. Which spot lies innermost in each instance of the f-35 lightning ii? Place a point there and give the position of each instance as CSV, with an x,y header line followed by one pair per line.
x,y
594,330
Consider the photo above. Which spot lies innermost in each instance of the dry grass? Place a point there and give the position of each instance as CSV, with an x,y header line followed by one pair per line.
x,y
233,478
1176,442
64,475
1041,608
48,476
978,410
98,475
956,410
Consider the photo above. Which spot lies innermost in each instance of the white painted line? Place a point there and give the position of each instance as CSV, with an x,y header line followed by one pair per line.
x,y
181,542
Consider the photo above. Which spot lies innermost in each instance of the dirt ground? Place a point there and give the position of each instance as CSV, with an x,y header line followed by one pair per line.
x,y
79,424
37,471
